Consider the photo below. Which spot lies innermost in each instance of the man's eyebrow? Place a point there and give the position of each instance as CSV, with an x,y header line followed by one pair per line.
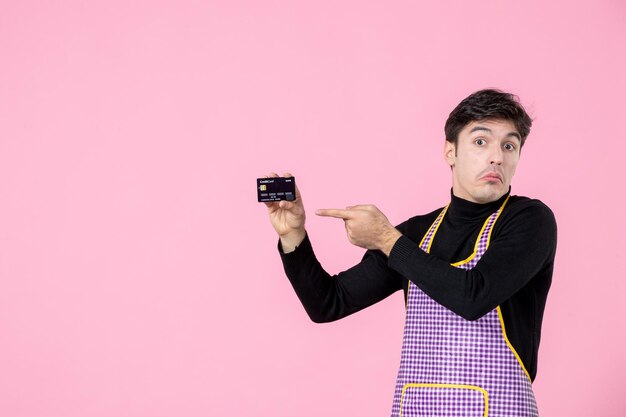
x,y
477,128
515,135
486,129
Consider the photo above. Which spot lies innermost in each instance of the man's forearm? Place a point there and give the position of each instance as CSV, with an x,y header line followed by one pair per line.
x,y
515,257
327,298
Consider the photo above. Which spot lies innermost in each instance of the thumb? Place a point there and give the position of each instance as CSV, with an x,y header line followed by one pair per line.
x,y
284,204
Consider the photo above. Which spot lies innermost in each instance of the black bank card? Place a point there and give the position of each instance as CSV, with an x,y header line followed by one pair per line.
x,y
276,189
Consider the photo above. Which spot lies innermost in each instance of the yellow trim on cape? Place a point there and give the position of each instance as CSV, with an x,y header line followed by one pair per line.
x,y
440,218
458,386
506,339
469,258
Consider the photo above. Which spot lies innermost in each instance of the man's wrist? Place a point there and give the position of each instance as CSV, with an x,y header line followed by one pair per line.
x,y
390,239
290,241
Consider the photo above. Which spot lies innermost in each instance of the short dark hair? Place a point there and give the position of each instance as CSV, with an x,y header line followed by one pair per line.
x,y
488,104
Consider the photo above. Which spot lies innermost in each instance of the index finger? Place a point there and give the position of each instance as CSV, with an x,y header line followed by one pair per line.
x,y
337,213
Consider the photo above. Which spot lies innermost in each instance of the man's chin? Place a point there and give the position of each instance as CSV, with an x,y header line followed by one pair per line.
x,y
482,194
491,195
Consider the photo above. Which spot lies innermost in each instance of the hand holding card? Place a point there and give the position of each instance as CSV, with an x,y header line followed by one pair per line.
x,y
285,208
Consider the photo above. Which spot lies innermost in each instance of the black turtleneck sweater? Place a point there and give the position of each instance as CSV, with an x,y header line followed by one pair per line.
x,y
514,273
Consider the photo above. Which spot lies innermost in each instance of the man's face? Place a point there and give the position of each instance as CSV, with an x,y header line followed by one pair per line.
x,y
484,160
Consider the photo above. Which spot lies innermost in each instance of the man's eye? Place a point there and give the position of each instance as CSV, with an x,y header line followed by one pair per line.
x,y
509,147
480,141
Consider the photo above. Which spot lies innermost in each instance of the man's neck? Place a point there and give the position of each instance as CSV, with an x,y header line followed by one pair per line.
x,y
463,209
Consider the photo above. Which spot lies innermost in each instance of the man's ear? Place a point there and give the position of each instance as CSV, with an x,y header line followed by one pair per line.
x,y
449,153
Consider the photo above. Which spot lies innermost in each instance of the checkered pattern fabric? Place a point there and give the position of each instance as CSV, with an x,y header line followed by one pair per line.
x,y
454,367
430,401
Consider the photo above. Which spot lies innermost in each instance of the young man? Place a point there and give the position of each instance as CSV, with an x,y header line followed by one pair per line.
x,y
475,273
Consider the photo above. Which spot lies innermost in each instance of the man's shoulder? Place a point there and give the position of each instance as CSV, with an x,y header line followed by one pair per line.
x,y
528,212
518,203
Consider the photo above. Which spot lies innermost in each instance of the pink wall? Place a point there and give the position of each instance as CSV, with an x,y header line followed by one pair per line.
x,y
139,276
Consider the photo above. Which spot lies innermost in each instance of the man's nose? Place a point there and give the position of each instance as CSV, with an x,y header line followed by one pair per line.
x,y
496,155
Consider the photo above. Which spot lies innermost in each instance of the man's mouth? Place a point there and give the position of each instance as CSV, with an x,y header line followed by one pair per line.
x,y
492,176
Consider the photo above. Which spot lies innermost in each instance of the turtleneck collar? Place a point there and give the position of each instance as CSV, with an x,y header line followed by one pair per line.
x,y
466,210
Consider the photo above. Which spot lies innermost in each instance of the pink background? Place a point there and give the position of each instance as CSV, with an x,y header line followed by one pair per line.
x,y
138,274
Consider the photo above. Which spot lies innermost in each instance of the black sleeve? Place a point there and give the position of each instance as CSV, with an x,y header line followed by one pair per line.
x,y
327,298
523,246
